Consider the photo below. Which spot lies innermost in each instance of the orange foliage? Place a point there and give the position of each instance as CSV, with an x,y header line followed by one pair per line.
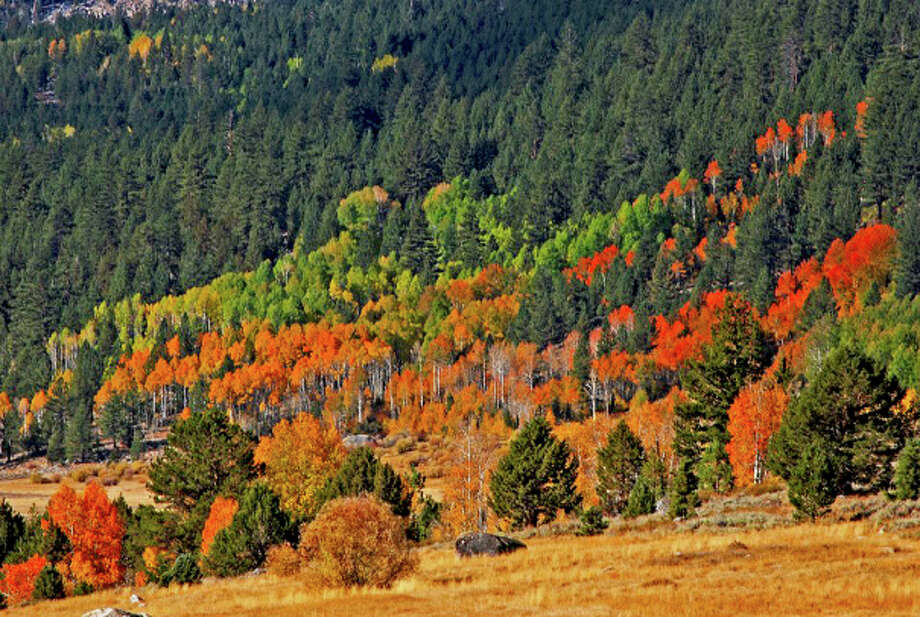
x,y
95,530
18,581
862,108
853,266
221,515
752,418
792,291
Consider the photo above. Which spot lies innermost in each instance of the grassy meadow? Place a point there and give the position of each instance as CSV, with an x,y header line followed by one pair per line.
x,y
824,569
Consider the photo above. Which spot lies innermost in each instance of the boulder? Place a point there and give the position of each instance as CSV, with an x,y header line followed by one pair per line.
x,y
112,612
357,441
471,544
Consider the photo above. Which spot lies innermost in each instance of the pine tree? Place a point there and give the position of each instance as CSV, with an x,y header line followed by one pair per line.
x,y
907,270
363,473
535,479
258,524
907,473
843,420
205,456
738,353
619,464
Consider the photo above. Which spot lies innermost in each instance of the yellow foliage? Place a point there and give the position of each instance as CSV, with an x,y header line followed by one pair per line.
x,y
140,46
387,61
298,456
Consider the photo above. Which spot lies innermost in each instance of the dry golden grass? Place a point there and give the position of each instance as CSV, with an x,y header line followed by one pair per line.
x,y
22,493
838,569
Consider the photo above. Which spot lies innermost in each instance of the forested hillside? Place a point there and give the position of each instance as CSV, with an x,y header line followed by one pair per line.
x,y
665,248
151,155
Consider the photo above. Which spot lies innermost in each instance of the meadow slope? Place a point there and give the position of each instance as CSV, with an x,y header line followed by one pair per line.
x,y
824,569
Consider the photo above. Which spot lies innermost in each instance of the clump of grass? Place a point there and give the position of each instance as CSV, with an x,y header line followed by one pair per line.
x,y
405,445
80,474
37,478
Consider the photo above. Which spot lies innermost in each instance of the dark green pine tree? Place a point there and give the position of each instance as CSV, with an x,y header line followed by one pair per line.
x,y
12,529
907,473
363,473
535,479
205,456
418,252
738,353
619,463
907,269
258,524
844,415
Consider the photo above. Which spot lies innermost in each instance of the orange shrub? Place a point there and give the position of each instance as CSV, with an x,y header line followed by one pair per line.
x,y
357,541
282,560
19,579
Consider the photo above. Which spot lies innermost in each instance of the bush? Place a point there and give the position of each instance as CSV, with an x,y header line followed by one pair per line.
x,y
184,570
592,522
82,588
79,474
357,541
37,478
49,585
282,560
907,474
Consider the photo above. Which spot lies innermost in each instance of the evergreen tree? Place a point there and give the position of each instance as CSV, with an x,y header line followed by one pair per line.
x,y
907,473
535,479
205,456
738,353
907,270
619,464
257,525
843,420
814,481
362,473
12,528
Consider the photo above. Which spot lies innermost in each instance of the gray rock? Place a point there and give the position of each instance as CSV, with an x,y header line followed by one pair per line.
x,y
357,441
470,544
663,505
113,612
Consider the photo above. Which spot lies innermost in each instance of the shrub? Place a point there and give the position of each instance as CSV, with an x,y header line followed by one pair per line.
x,y
83,588
49,585
184,570
79,474
282,560
357,541
592,522
907,474
37,478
